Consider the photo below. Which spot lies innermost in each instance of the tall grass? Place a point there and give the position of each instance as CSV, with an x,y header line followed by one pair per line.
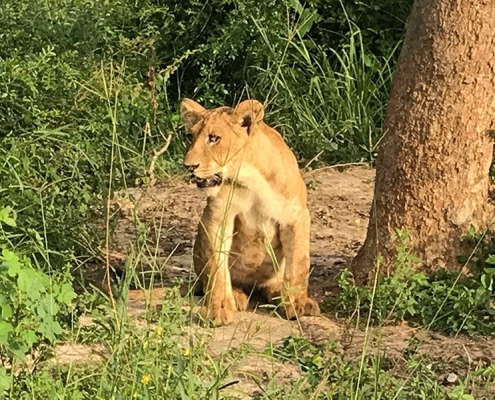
x,y
331,108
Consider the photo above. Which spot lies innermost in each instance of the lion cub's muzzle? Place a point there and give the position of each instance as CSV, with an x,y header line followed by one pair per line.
x,y
215,180
211,181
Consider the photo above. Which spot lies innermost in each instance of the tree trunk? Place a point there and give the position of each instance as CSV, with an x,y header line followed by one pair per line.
x,y
432,169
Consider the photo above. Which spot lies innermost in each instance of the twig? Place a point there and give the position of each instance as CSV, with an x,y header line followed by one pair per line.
x,y
312,160
228,384
156,154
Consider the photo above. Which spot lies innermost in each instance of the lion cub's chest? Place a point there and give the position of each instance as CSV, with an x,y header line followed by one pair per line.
x,y
262,211
256,220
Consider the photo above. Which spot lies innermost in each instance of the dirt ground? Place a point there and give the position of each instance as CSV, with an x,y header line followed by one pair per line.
x,y
339,201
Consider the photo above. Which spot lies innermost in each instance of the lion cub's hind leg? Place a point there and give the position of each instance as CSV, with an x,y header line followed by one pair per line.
x,y
296,244
241,299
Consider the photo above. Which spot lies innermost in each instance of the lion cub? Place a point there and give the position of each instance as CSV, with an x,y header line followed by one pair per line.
x,y
254,231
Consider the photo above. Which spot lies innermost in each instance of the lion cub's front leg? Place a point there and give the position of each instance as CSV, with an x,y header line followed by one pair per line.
x,y
211,263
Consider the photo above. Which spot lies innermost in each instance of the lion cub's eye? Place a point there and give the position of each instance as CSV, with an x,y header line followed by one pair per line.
x,y
213,139
189,137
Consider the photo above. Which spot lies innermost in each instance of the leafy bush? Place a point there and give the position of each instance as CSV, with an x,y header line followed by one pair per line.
x,y
30,301
77,119
444,300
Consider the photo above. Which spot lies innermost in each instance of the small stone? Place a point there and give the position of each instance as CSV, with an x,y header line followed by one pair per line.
x,y
452,378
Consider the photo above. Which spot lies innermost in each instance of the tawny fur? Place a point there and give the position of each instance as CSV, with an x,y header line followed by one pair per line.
x,y
255,229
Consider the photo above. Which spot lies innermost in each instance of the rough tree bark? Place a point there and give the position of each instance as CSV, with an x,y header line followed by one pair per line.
x,y
432,169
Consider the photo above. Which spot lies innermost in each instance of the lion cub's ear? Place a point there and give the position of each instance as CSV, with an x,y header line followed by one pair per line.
x,y
248,113
191,112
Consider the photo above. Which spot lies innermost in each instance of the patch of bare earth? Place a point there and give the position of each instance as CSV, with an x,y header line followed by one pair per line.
x,y
339,202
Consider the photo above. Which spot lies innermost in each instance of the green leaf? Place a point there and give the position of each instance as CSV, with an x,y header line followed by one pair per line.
x,y
486,281
7,216
6,311
471,231
30,281
24,280
19,350
308,18
40,311
5,380
51,306
317,360
66,294
12,262
29,337
5,329
367,60
49,328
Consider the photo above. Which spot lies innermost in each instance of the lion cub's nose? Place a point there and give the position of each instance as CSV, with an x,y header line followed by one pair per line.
x,y
191,167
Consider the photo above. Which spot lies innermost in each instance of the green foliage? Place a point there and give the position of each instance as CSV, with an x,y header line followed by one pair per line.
x,y
218,49
157,361
445,301
30,301
482,259
330,376
395,295
76,107
327,81
331,104
381,23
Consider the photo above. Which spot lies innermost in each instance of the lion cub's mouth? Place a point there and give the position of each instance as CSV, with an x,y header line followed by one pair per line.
x,y
215,180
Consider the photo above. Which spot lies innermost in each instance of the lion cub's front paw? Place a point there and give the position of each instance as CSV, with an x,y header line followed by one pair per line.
x,y
301,306
220,313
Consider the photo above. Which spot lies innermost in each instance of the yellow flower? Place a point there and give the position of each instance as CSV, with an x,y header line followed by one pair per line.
x,y
146,379
159,330
135,395
186,352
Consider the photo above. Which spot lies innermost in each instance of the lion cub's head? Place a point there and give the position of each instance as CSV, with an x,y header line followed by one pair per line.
x,y
216,139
